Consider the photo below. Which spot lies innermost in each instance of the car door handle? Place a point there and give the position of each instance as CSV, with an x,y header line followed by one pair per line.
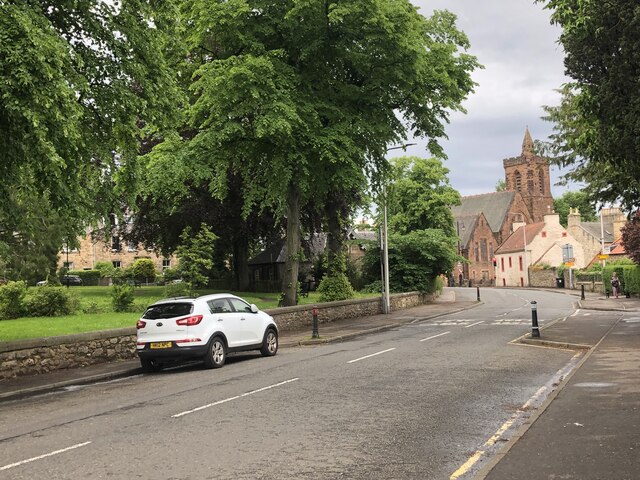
x,y
219,319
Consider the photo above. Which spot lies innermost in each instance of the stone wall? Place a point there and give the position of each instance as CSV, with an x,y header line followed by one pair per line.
x,y
36,356
543,278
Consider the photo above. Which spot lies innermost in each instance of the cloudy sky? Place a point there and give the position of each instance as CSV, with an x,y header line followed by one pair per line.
x,y
523,66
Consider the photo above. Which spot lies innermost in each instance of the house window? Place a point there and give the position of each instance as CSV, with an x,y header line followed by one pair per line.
x,y
67,265
115,243
131,247
510,264
564,234
520,263
544,234
116,264
166,263
502,264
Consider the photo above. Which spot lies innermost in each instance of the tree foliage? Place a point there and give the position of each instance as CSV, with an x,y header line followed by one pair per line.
x,y
79,82
419,196
415,260
302,98
196,255
597,124
631,238
579,200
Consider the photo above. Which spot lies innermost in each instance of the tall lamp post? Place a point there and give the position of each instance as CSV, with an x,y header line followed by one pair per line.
x,y
384,243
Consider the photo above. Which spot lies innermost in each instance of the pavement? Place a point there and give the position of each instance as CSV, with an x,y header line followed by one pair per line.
x,y
587,428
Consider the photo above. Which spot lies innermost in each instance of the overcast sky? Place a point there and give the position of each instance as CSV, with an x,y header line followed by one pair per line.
x,y
523,66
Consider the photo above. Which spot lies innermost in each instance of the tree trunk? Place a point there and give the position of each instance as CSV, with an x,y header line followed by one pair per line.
x,y
241,263
334,238
292,263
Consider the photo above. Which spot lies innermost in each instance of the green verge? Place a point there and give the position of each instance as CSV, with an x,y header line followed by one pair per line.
x,y
99,299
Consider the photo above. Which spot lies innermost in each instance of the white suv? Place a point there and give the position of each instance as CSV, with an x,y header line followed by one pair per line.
x,y
206,327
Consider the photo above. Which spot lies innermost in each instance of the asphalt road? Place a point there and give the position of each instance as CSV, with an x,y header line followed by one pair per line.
x,y
410,403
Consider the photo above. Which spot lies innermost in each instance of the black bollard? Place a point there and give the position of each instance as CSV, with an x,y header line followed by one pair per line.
x,y
535,331
315,333
582,293
478,292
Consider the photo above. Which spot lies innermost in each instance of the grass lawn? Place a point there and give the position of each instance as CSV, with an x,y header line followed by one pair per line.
x,y
98,299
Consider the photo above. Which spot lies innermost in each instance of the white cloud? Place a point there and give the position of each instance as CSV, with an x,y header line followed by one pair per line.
x,y
515,42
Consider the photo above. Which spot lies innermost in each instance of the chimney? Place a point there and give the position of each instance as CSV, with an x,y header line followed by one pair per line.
x,y
574,218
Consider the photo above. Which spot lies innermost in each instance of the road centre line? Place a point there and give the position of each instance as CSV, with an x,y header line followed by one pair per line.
x,y
372,355
246,394
435,336
474,324
40,457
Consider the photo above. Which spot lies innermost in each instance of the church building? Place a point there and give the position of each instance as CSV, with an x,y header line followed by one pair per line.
x,y
485,221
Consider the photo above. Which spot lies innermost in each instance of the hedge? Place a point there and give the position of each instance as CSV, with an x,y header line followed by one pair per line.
x,y
629,276
89,277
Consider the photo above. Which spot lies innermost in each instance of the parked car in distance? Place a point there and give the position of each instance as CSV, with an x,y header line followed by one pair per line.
x,y
206,328
71,280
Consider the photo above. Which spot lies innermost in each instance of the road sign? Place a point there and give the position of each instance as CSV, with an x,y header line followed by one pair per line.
x,y
603,256
568,264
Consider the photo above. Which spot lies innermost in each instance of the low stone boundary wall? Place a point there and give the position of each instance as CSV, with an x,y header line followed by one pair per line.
x,y
35,356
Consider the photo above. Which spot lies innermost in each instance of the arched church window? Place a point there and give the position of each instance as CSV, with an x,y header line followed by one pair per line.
x,y
541,181
518,180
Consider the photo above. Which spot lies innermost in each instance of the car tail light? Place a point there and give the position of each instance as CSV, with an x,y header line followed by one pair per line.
x,y
140,324
189,321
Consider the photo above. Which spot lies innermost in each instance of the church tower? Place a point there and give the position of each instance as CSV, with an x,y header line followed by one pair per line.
x,y
529,175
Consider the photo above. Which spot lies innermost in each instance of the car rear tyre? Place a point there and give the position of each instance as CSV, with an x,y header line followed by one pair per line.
x,y
216,354
269,343
150,365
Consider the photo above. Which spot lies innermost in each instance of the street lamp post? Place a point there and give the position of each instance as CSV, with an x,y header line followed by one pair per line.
x,y
384,242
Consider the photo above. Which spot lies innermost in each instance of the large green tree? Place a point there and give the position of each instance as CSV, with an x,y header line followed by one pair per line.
x,y
299,97
579,200
78,82
597,124
419,196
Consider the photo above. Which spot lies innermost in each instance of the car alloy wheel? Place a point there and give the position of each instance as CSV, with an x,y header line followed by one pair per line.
x,y
217,353
270,343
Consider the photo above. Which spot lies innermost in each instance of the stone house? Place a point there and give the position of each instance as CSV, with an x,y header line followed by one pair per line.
x,y
94,248
592,235
540,243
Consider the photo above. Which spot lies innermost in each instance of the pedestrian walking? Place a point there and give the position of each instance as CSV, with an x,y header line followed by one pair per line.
x,y
615,284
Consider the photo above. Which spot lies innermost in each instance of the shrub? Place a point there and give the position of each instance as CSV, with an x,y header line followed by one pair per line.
x,y
49,301
122,297
181,289
632,279
144,269
106,269
336,287
12,297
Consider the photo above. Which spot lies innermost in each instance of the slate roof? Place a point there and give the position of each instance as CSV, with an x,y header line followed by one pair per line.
x,y
277,253
593,229
466,224
494,206
515,242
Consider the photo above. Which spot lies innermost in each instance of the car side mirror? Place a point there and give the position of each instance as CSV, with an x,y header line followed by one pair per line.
x,y
254,309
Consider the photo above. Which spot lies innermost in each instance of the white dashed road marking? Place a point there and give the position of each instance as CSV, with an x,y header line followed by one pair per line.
x,y
40,457
372,355
434,336
177,415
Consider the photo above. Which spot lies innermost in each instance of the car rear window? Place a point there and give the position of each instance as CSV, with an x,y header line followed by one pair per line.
x,y
168,310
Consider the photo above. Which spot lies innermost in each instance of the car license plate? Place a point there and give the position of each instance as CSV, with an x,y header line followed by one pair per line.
x,y
160,345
